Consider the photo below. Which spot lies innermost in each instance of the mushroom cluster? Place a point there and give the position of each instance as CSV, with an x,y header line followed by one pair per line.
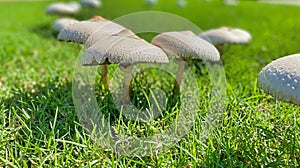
x,y
110,43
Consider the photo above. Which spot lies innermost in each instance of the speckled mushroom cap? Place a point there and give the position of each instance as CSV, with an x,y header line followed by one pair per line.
x,y
91,3
123,50
90,31
108,29
61,23
186,45
79,32
281,78
62,8
226,35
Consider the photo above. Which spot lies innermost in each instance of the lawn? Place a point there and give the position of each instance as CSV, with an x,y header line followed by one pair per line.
x,y
39,125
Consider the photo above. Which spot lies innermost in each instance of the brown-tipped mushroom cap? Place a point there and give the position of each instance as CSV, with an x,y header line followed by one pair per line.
x,y
281,78
226,35
97,18
62,9
187,46
123,50
61,23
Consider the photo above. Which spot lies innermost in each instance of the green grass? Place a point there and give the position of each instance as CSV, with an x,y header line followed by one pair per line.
x,y
39,125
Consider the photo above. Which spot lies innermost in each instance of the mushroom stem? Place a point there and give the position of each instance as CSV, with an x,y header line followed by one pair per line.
x,y
179,77
127,83
105,80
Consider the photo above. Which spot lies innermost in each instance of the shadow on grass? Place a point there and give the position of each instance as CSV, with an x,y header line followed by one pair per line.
x,y
44,30
38,104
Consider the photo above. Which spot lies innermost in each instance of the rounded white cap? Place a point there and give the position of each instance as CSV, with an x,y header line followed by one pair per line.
x,y
123,50
61,23
62,9
226,35
186,45
281,78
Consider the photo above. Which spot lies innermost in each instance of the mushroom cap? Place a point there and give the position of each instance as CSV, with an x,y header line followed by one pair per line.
x,y
61,23
151,2
75,5
61,9
281,78
107,29
79,32
186,45
226,35
181,3
91,3
123,50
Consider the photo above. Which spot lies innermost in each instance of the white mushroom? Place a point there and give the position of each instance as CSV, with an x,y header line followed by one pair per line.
x,y
61,23
188,46
108,29
90,31
62,9
91,3
151,2
181,3
125,51
230,2
281,79
79,32
228,35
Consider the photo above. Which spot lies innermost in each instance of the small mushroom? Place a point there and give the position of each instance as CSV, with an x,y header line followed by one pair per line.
x,y
108,29
225,35
281,79
91,3
230,2
151,2
60,8
90,31
124,51
188,46
61,23
181,3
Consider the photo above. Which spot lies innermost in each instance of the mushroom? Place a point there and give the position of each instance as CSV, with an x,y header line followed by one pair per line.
x,y
230,2
125,51
188,46
90,31
60,8
151,2
281,79
91,3
107,29
181,3
61,23
226,35
79,32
